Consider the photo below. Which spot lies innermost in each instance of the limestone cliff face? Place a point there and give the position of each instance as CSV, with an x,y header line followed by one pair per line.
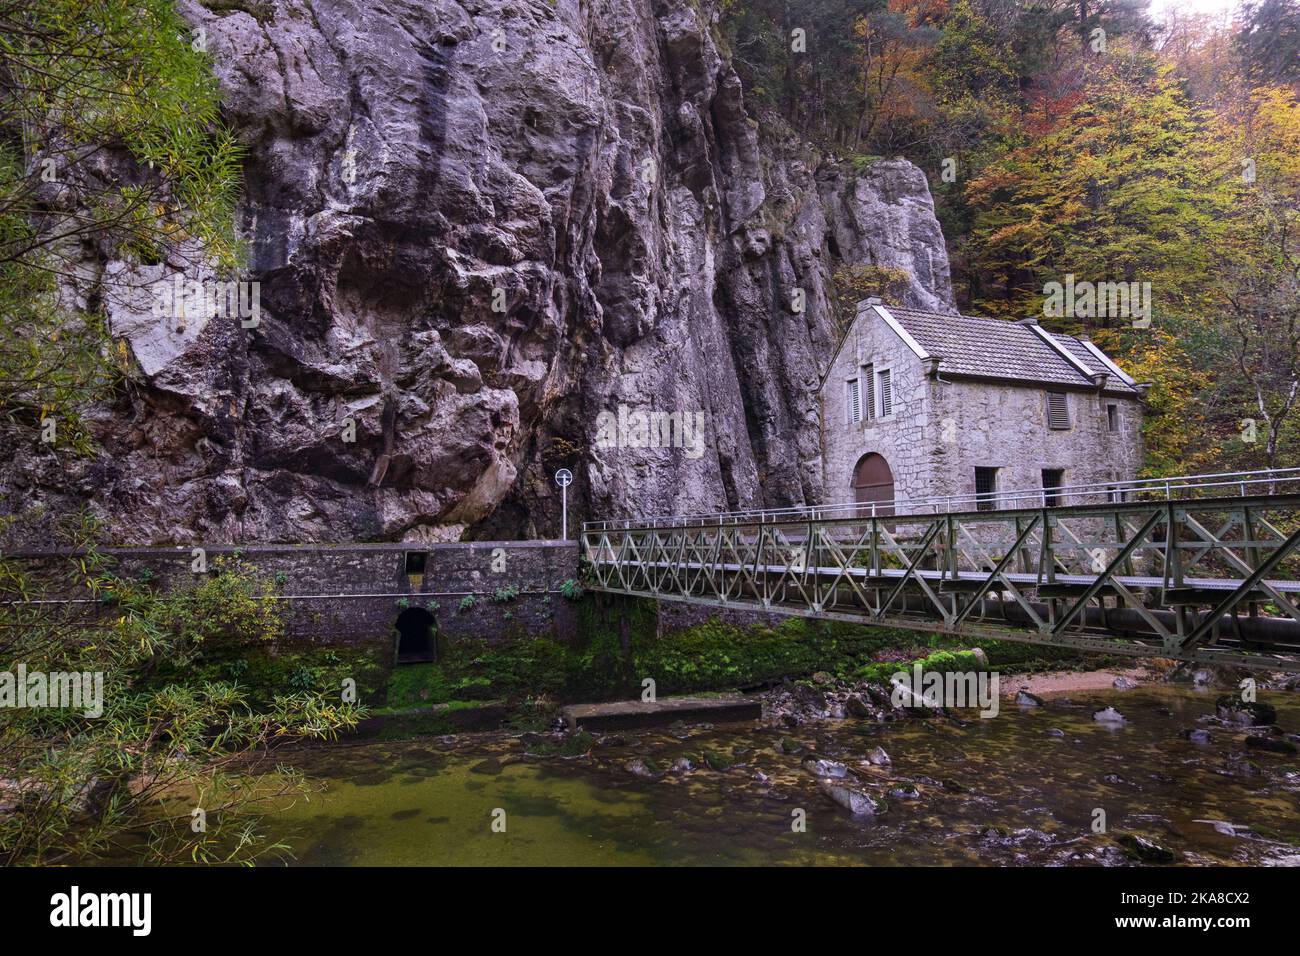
x,y
476,226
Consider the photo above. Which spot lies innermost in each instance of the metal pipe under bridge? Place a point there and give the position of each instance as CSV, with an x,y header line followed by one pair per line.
x,y
1199,568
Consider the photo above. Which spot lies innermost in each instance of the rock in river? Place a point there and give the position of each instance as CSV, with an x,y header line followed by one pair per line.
x,y
857,802
1234,710
825,768
1140,848
643,768
1109,716
1271,744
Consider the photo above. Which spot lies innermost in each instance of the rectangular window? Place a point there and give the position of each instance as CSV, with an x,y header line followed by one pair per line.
x,y
1058,411
853,400
986,486
1053,481
1112,417
869,400
886,388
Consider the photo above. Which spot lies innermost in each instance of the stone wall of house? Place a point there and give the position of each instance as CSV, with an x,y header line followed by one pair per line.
x,y
980,424
941,429
900,438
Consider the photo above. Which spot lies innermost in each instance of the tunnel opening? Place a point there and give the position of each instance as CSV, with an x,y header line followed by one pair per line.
x,y
415,640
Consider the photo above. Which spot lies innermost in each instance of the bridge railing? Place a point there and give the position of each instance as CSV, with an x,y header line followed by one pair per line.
x,y
1179,573
1221,484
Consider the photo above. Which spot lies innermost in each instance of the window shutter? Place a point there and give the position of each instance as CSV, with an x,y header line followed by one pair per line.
x,y
854,400
1058,411
869,403
886,394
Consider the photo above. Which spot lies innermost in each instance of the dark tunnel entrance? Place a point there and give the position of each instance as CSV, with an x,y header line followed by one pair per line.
x,y
415,636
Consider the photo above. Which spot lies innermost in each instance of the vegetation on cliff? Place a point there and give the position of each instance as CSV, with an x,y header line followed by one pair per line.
x,y
111,140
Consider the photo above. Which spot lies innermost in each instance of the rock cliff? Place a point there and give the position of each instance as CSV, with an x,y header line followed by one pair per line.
x,y
477,226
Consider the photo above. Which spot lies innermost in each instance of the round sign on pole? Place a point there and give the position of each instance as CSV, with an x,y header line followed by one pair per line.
x,y
564,477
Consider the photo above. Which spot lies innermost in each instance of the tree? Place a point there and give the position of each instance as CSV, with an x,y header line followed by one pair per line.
x,y
110,140
1268,41
1128,188
1260,278
111,147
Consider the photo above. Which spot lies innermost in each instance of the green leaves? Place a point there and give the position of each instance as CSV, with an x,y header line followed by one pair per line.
x,y
118,147
87,784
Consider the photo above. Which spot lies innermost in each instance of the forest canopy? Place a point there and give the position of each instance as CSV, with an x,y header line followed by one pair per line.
x,y
1090,142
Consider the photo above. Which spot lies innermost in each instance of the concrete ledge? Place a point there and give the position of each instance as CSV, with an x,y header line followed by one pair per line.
x,y
635,713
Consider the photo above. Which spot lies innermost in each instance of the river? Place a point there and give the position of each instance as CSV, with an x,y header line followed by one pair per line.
x,y
1003,791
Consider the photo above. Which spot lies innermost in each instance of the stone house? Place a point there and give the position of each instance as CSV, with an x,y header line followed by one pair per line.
x,y
919,404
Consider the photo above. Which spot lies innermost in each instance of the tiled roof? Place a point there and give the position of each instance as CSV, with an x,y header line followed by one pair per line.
x,y
992,348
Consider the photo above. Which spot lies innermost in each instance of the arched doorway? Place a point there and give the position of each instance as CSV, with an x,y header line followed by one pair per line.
x,y
873,485
415,641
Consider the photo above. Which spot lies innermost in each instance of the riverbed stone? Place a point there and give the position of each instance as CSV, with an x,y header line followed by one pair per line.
x,y
825,768
1144,850
1234,710
855,706
643,767
1110,717
1271,744
858,802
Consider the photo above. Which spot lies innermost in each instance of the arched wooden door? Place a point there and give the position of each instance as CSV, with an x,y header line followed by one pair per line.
x,y
873,485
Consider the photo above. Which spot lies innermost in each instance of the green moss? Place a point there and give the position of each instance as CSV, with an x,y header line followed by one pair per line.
x,y
416,684
716,760
574,745
715,655
942,662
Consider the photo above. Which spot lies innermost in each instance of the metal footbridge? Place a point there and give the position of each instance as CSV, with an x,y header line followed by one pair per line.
x,y
1201,568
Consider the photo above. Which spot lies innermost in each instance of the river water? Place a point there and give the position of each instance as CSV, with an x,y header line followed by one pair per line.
x,y
1001,791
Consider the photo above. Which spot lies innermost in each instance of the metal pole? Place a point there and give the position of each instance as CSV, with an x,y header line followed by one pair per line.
x,y
564,512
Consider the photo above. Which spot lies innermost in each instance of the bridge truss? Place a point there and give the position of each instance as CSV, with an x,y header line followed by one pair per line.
x,y
1212,580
